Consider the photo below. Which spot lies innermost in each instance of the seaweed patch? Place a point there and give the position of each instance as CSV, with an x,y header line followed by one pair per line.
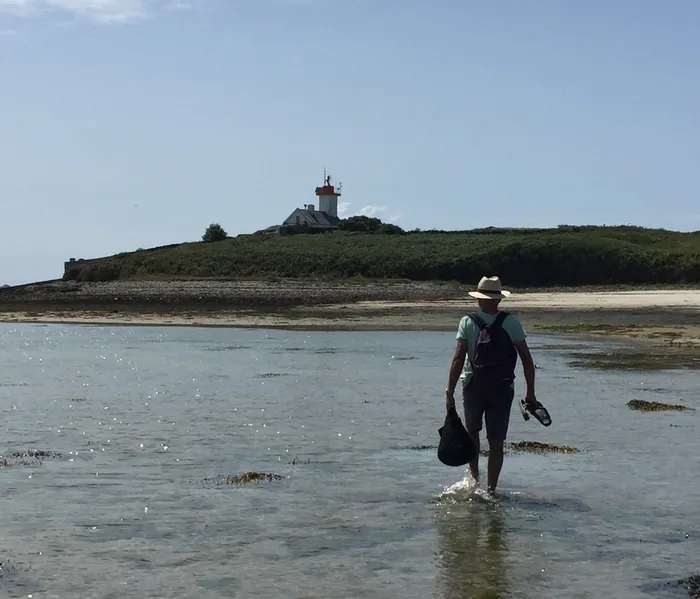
x,y
535,447
414,447
692,585
656,406
36,453
31,457
237,480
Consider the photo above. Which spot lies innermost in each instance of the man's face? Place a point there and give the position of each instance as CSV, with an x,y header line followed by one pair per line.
x,y
489,305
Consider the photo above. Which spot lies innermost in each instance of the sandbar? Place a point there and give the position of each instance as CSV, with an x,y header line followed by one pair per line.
x,y
669,317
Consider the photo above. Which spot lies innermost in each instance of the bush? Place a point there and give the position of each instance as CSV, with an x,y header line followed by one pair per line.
x,y
214,232
94,272
369,224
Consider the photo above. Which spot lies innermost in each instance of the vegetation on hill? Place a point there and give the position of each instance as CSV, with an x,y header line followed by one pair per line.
x,y
567,255
214,232
369,224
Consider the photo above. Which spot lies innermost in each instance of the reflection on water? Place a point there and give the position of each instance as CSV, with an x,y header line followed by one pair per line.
x,y
473,545
137,421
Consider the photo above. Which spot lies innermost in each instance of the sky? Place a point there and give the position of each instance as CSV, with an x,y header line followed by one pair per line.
x,y
128,124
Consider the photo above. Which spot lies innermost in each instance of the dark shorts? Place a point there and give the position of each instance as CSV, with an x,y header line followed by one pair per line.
x,y
494,405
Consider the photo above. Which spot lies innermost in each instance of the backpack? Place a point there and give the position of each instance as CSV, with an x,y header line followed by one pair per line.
x,y
495,356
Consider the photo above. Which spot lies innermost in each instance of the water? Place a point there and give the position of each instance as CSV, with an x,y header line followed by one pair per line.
x,y
143,416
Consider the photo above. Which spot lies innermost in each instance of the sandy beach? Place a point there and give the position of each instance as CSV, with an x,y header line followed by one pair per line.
x,y
668,317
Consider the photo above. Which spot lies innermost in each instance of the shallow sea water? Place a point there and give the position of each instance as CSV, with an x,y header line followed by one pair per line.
x,y
146,418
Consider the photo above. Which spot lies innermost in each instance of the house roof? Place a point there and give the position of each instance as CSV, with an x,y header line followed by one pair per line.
x,y
316,217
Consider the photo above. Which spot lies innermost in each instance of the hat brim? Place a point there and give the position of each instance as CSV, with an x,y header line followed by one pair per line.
x,y
489,296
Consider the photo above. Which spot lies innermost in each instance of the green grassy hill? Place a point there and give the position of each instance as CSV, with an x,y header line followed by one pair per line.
x,y
567,255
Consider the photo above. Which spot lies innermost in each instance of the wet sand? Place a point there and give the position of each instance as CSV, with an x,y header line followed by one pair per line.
x,y
666,317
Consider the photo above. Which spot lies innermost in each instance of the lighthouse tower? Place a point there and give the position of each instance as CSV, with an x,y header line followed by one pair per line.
x,y
328,197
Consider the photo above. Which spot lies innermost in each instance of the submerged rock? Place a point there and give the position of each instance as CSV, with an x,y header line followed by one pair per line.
x,y
31,457
36,453
535,447
656,406
5,463
692,585
418,447
251,477
246,478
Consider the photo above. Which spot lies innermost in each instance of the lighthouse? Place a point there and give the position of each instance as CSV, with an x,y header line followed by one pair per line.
x,y
328,196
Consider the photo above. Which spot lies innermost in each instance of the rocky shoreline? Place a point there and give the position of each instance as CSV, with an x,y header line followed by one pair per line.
x,y
212,294
664,317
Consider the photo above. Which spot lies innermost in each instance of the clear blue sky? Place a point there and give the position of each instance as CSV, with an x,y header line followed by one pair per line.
x,y
133,123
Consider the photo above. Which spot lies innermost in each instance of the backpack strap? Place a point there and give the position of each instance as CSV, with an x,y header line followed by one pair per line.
x,y
480,324
477,321
496,323
499,319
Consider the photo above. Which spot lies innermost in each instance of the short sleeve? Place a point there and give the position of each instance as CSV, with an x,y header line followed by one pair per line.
x,y
514,328
462,329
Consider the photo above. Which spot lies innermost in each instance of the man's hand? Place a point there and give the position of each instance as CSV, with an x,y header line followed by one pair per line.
x,y
449,400
530,400
528,371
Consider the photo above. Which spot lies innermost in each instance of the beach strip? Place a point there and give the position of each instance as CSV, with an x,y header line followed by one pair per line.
x,y
663,316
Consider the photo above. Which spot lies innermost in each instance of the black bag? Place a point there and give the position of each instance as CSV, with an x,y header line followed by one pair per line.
x,y
495,356
456,447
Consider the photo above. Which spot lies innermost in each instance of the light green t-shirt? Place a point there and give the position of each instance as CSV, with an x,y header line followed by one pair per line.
x,y
469,331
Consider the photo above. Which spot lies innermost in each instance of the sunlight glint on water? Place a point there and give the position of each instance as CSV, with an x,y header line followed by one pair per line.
x,y
146,420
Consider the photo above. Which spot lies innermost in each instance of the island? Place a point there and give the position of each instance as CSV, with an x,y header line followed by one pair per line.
x,y
595,280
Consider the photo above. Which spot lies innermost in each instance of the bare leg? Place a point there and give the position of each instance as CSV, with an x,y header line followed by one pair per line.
x,y
474,464
495,464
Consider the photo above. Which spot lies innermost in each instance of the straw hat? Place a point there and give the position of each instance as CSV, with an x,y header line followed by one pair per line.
x,y
489,288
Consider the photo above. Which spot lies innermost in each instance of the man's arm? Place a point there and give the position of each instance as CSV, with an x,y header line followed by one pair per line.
x,y
455,370
528,369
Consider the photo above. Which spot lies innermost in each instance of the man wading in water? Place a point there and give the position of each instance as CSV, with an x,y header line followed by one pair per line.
x,y
493,340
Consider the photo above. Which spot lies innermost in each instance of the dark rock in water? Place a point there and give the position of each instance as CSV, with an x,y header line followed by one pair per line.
x,y
31,457
656,406
671,588
692,585
246,478
536,447
416,447
36,453
5,463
